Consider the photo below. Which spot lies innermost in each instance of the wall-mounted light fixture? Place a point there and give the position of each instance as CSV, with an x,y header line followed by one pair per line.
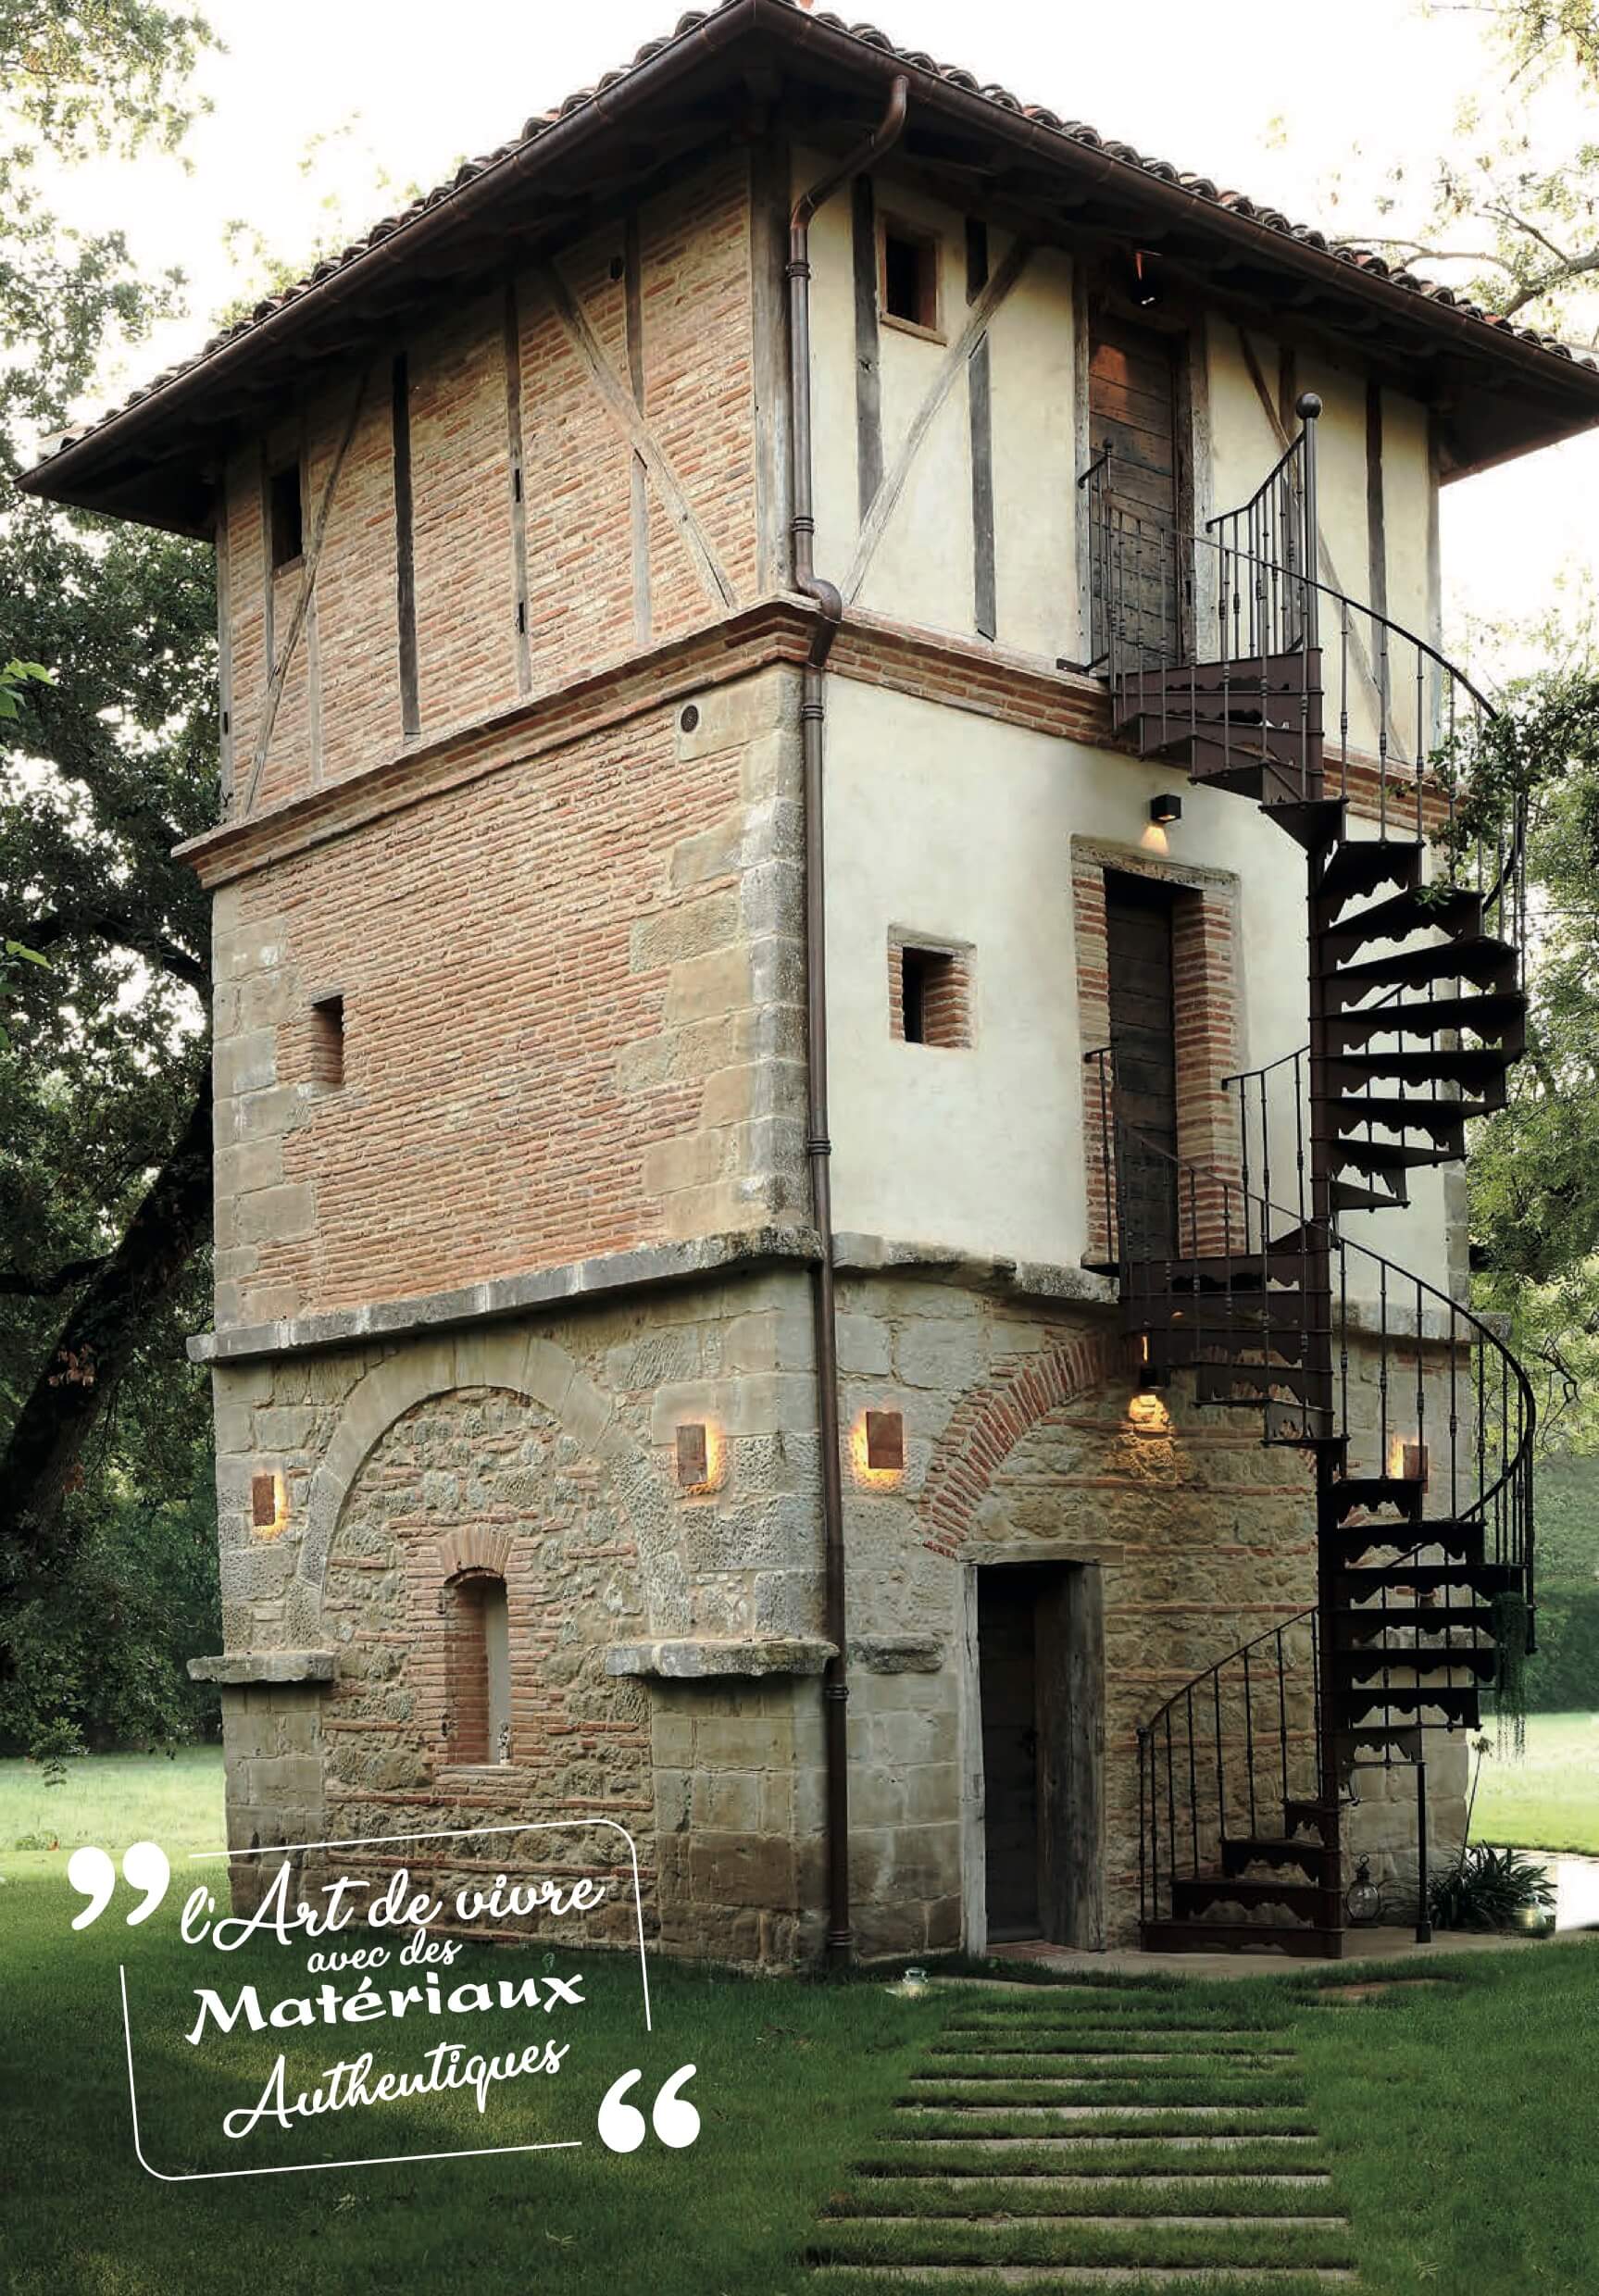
x,y
1165,809
268,1505
1415,1464
700,1455
885,1441
877,1446
693,1455
1146,282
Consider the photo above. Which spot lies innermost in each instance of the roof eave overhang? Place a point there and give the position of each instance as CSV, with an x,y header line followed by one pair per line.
x,y
1562,396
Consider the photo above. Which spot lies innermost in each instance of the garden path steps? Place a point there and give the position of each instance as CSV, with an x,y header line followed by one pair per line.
x,y
1093,2138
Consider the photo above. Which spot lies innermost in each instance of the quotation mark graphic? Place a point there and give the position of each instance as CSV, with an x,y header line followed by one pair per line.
x,y
92,1873
676,2123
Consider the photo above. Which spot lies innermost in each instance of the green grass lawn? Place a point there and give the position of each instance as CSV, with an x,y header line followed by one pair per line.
x,y
1459,2117
1549,1798
112,1799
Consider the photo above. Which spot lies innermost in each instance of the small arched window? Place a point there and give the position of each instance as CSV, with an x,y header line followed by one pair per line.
x,y
478,1669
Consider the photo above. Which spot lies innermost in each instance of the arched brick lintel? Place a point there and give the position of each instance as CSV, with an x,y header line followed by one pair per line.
x,y
542,1373
991,1419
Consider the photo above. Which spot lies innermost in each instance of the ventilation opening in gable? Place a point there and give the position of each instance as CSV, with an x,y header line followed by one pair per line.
x,y
288,530
910,278
930,996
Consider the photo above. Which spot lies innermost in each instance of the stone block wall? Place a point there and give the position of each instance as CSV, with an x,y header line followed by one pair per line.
x,y
666,1640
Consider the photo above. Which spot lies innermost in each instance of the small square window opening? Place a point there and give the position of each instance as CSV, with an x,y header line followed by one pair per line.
x,y
910,278
288,532
328,1040
929,997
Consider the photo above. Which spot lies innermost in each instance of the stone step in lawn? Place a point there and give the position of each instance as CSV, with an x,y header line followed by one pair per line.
x,y
1122,2140
1175,2141
986,2082
1082,2220
934,2241
1040,2162
1013,2120
1043,2279
986,2193
1131,2046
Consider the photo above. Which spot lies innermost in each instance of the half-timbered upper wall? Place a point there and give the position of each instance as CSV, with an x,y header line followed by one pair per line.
x,y
549,478
946,471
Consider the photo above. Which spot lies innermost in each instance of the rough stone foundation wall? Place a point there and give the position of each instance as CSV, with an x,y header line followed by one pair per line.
x,y
666,1641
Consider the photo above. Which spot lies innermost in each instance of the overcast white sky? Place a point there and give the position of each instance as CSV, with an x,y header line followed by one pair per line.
x,y
1272,98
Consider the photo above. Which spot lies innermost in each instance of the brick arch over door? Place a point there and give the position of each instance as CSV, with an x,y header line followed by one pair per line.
x,y
991,1419
541,1373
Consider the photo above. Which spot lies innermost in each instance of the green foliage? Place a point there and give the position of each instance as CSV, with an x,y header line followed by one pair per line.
x,y
1509,1614
1563,1674
1487,1888
113,77
96,1656
1511,208
14,676
105,764
1534,1165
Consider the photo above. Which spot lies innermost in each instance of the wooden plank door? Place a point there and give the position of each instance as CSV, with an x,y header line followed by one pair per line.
x,y
1009,1687
1135,394
1144,1041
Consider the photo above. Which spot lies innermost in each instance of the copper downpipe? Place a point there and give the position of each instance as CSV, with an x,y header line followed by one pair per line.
x,y
818,1147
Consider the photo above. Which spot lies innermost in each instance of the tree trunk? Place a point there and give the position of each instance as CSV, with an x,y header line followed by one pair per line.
x,y
100,1336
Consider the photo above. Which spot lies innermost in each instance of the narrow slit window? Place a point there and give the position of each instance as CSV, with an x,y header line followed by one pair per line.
x,y
909,281
288,528
328,1040
478,1726
930,996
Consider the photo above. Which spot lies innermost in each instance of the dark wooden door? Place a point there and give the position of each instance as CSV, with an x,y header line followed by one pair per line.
x,y
1134,397
1009,1675
1144,1039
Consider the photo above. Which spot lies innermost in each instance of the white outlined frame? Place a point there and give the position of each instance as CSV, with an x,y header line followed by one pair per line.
x,y
372,1841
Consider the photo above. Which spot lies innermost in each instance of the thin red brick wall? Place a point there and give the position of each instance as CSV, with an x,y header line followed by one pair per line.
x,y
699,378
1204,939
461,516
340,712
539,1026
578,475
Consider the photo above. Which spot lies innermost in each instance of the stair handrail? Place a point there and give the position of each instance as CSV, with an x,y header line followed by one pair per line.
x,y
1231,1678
1202,1180
1143,578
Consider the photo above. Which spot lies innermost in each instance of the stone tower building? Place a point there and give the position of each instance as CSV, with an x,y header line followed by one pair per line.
x,y
675,1268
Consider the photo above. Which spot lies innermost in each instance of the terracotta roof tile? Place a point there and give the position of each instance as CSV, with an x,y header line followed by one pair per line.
x,y
1364,260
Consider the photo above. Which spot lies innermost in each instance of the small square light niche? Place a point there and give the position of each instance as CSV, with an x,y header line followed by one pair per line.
x,y
701,1456
1414,1463
693,1455
268,1505
884,1442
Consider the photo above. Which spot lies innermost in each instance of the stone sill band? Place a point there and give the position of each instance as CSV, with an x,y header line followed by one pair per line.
x,y
731,1251
689,1660
274,1665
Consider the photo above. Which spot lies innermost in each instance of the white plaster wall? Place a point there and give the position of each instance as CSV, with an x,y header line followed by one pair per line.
x,y
944,824
921,571
1244,446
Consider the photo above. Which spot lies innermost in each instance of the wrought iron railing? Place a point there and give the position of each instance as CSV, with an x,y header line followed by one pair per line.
x,y
1438,1380
1283,671
1231,1299
1242,1291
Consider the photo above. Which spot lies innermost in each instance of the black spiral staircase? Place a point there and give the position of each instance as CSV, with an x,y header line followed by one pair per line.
x,y
1414,1418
